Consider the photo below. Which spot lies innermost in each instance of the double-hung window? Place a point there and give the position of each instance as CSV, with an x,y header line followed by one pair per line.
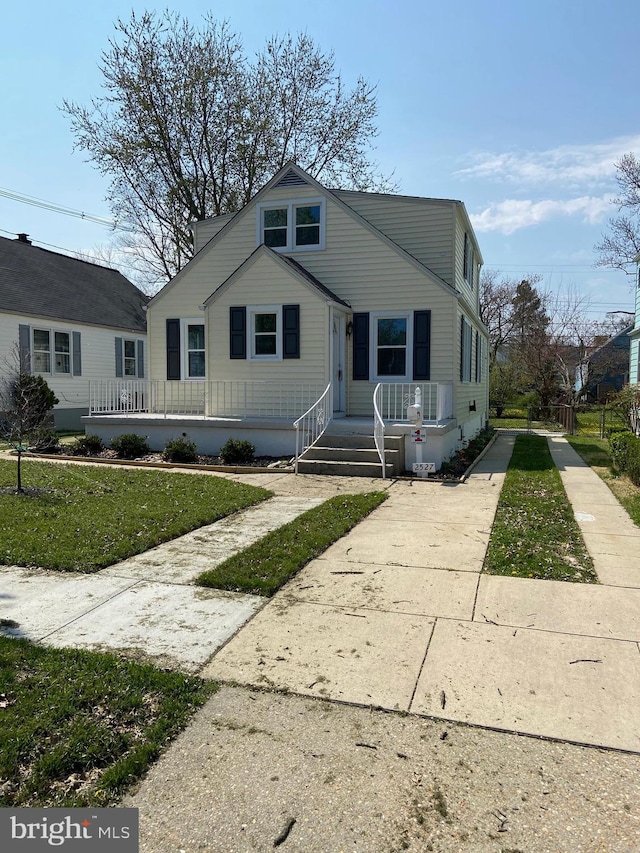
x,y
130,361
468,261
62,352
265,332
391,346
292,226
195,355
45,356
41,351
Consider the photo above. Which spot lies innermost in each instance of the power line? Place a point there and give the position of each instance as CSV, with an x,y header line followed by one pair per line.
x,y
57,208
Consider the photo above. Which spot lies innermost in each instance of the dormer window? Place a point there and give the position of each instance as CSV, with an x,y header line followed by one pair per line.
x,y
275,227
294,226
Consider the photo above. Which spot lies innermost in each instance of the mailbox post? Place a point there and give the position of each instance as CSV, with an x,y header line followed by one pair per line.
x,y
418,436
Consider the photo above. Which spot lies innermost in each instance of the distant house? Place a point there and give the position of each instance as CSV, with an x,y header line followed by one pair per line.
x,y
338,302
69,321
605,368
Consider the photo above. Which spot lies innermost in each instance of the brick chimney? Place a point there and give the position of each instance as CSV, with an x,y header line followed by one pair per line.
x,y
24,238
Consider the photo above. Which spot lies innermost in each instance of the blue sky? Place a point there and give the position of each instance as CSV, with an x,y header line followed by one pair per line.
x,y
517,107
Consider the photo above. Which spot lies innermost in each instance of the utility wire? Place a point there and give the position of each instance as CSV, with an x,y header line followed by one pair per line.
x,y
57,208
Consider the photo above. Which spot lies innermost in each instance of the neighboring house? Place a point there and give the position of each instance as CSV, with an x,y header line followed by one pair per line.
x,y
634,335
605,369
69,321
307,289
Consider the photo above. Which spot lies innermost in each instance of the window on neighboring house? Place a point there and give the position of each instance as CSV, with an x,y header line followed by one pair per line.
x,y
264,332
391,344
292,226
195,351
62,352
130,368
41,351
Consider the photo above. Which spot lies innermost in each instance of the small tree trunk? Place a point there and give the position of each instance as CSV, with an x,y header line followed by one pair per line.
x,y
19,471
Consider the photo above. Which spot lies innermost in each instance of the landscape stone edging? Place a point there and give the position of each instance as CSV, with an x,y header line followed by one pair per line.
x,y
227,469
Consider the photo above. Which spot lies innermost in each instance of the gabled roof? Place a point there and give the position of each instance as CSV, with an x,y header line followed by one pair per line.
x,y
294,267
292,175
37,282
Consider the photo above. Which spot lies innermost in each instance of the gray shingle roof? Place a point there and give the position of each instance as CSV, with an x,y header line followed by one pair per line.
x,y
35,281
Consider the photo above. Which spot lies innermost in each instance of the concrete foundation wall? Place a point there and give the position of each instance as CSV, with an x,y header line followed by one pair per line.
x,y
269,439
69,419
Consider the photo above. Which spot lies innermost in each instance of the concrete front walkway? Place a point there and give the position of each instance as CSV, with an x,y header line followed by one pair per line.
x,y
397,615
147,604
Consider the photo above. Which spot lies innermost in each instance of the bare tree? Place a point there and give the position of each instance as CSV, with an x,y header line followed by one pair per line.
x,y
188,128
498,308
25,406
619,248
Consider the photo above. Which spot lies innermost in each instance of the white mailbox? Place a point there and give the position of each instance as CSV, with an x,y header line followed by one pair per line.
x,y
414,414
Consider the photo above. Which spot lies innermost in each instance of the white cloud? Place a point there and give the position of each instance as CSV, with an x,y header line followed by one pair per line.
x,y
514,214
566,164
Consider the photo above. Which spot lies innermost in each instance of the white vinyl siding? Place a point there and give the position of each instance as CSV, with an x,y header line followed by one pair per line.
x,y
97,350
206,229
423,227
266,277
357,265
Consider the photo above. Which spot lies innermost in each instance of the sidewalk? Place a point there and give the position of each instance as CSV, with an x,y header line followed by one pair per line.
x,y
396,615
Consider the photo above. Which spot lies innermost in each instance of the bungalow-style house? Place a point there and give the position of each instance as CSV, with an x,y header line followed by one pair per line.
x,y
334,303
69,321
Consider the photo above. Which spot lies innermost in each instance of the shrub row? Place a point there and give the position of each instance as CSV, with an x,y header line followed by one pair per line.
x,y
625,454
130,445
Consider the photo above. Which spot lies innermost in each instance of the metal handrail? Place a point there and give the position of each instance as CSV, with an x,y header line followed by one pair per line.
x,y
314,422
378,429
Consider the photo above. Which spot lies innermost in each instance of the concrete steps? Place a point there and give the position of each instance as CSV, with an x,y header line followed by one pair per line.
x,y
346,455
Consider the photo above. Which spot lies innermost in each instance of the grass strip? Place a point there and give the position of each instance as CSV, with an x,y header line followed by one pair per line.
x,y
78,727
535,534
595,452
262,568
82,518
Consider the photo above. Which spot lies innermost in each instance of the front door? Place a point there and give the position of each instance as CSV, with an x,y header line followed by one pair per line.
x,y
339,365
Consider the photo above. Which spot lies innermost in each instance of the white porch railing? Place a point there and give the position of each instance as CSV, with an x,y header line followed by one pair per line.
x,y
208,398
378,429
393,398
311,425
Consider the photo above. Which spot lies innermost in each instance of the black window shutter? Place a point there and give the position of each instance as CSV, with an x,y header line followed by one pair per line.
x,y
421,345
361,346
291,331
77,354
173,349
462,348
478,362
24,347
119,358
141,359
238,332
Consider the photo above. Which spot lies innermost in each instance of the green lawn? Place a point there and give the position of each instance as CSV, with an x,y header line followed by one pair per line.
x,y
535,534
263,567
78,728
83,518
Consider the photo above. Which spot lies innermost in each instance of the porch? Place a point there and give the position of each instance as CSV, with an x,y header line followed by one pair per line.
x,y
279,419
